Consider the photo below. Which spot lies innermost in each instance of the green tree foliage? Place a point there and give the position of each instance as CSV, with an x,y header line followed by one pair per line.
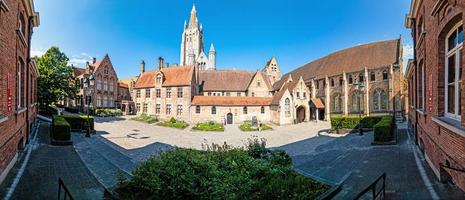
x,y
55,78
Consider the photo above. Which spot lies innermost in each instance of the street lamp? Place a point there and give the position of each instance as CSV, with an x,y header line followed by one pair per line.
x,y
88,84
359,87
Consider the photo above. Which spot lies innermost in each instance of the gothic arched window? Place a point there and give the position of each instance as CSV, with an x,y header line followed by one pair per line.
x,y
287,107
356,101
384,100
375,101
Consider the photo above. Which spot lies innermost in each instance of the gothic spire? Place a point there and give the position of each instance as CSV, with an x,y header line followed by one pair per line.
x,y
193,21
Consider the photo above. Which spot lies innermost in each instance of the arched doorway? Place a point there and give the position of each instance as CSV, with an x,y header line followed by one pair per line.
x,y
229,118
300,114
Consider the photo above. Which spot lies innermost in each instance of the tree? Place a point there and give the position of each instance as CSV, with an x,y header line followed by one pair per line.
x,y
56,81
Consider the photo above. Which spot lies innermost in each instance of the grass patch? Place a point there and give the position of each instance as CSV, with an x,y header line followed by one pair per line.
x,y
209,126
222,173
173,123
150,119
247,127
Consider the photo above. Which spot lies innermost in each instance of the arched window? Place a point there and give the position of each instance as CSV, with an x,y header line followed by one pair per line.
x,y
245,110
372,76
385,75
22,25
384,100
375,101
287,107
213,110
453,72
356,101
337,103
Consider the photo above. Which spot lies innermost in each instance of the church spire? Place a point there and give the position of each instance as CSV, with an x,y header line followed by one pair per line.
x,y
193,22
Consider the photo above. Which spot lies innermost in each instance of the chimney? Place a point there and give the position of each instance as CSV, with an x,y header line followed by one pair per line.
x,y
160,63
94,60
142,67
167,65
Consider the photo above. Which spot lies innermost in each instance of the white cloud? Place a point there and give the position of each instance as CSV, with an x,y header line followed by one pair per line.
x,y
408,54
38,52
80,59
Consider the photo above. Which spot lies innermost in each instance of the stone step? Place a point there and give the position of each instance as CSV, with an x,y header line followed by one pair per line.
x,y
100,164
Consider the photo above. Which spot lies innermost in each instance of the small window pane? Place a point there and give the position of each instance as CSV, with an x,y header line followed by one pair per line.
x,y
451,98
460,35
451,69
452,40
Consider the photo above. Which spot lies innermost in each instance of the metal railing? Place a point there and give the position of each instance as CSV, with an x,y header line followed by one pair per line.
x,y
66,194
381,194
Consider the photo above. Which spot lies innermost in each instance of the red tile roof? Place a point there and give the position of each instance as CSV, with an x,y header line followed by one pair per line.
x,y
121,84
226,80
78,71
174,76
372,55
230,101
318,103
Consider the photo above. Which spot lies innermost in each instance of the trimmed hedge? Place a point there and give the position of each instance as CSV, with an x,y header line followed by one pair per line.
x,y
383,126
384,129
61,129
351,122
79,122
108,112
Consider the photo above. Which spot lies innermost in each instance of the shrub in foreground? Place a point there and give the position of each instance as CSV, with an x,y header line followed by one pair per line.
x,y
209,126
225,174
79,122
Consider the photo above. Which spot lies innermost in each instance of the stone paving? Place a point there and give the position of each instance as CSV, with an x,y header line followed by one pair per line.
x,y
48,163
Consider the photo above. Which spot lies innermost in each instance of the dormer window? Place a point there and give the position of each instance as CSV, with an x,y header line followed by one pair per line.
x,y
159,78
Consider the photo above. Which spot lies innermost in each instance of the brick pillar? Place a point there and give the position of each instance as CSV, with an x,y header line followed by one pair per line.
x,y
345,90
367,93
328,99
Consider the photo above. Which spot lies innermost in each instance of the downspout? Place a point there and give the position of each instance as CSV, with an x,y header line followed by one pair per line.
x,y
414,32
28,62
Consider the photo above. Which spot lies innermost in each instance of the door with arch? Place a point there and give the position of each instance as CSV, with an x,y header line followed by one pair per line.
x,y
300,114
229,118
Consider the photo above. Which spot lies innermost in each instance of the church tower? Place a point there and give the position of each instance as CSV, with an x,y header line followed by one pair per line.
x,y
192,46
272,70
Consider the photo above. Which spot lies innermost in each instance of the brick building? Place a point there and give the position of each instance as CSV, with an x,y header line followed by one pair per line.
x,y
104,93
333,81
18,79
437,104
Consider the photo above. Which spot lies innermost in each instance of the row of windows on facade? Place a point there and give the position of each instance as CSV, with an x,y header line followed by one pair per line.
x,y
379,102
105,101
179,109
158,93
361,79
452,75
99,85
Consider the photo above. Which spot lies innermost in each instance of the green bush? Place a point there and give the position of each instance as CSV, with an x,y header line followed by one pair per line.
x,y
61,129
384,129
352,122
281,158
173,123
79,122
150,119
209,126
247,127
108,112
226,174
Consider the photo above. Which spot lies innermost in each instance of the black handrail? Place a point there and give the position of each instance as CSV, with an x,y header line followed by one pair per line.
x,y
381,193
67,194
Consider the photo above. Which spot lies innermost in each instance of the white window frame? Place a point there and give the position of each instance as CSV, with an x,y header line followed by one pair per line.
x,y
20,83
456,51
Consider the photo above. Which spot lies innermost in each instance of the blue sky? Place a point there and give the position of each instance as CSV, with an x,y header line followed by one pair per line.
x,y
245,32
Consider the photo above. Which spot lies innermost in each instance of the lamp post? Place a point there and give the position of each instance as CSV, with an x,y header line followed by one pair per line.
x,y
359,87
88,84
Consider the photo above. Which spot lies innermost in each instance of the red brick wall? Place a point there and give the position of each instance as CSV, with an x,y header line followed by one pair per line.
x,y
12,49
441,145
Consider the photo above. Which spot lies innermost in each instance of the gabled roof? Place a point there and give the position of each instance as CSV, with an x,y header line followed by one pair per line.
x,y
226,80
123,85
279,95
174,76
372,56
78,71
318,103
230,101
